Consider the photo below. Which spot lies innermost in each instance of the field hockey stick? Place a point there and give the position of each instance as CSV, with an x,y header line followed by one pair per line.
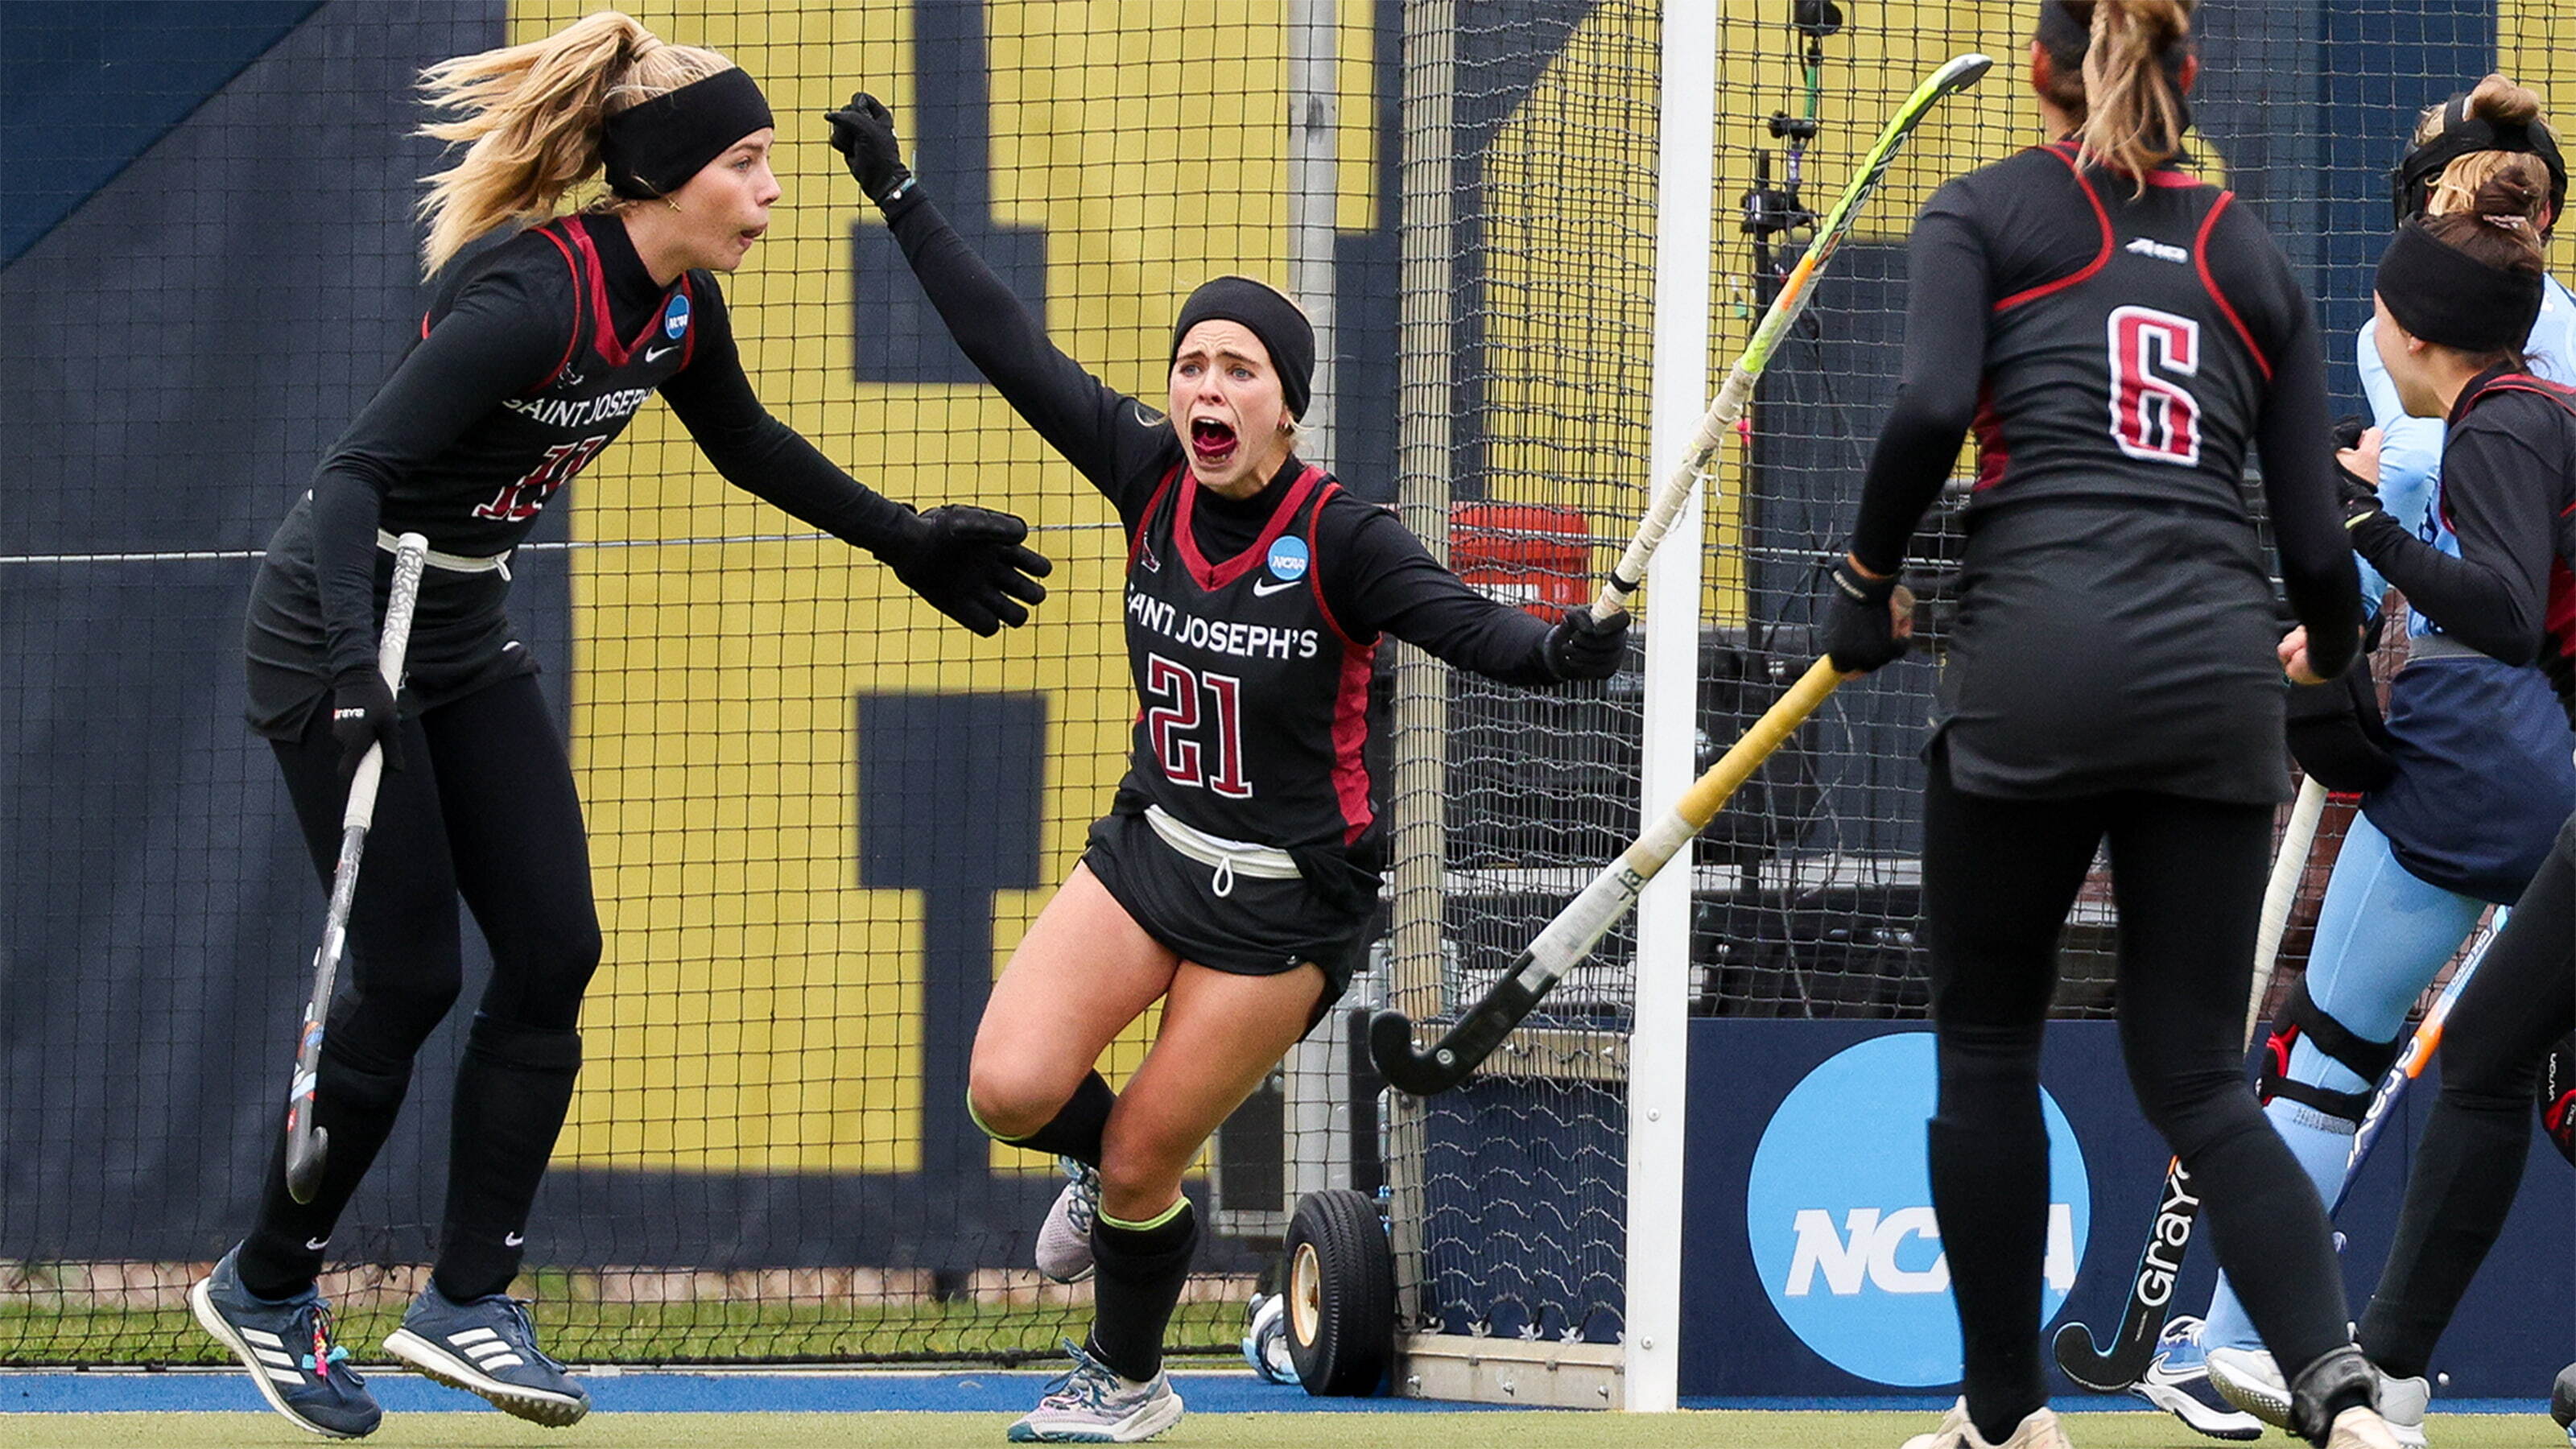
x,y
2142,1320
1795,292
1565,941
2409,1065
307,1145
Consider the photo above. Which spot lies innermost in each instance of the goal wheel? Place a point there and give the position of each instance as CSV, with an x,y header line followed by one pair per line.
x,y
1341,1294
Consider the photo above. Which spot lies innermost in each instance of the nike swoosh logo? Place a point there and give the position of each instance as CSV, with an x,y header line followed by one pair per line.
x,y
315,1245
655,353
1266,588
511,1240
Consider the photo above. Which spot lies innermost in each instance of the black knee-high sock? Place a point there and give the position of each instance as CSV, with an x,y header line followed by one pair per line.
x,y
2467,1170
1141,1270
1989,1159
1075,1130
512,1092
356,1102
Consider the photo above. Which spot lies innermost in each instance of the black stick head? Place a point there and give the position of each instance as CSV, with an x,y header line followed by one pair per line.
x,y
305,1154
1424,1074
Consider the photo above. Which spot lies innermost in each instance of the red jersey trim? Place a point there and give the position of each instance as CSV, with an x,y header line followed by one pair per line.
x,y
688,338
604,327
2100,260
572,344
2209,283
1212,577
2507,382
1145,519
1350,740
1315,563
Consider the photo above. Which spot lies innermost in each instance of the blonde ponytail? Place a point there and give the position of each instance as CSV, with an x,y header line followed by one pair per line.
x,y
530,118
2133,106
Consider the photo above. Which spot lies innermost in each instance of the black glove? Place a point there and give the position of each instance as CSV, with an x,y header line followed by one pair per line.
x,y
363,714
1582,647
1860,630
969,564
863,132
2360,497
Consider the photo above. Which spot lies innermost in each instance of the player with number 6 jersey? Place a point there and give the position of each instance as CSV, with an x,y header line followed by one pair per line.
x,y
1235,877
2118,334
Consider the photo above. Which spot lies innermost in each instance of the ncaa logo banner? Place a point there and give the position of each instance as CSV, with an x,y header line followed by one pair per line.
x,y
1838,1213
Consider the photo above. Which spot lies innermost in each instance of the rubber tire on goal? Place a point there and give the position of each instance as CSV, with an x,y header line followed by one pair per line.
x,y
1341,1294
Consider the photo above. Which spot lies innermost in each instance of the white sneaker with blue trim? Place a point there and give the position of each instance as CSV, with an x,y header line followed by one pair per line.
x,y
2177,1381
1091,1404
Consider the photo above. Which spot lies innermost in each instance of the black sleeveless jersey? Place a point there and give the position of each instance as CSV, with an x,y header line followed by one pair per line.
x,y
2133,379
1253,701
481,496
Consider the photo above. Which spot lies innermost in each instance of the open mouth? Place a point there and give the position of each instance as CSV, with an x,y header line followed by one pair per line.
x,y
1211,442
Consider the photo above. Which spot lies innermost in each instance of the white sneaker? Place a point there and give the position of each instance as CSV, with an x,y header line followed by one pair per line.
x,y
2360,1427
2177,1381
1064,1239
2247,1378
2402,1402
2037,1431
1091,1404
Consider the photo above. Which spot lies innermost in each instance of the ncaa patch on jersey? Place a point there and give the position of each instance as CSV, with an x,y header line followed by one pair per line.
x,y
1838,1208
675,318
1289,560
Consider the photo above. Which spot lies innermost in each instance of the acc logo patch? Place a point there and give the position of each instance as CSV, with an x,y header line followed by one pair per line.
x,y
675,318
1288,560
1838,1209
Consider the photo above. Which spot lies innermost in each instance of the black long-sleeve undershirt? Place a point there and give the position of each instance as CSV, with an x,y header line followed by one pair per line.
x,y
504,333
2502,485
1377,577
1955,273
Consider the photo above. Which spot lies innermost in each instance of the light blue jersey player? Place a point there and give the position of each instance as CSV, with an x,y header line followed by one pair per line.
x,y
2479,776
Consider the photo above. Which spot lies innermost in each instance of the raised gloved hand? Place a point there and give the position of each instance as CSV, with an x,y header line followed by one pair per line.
x,y
1582,647
863,132
2356,459
1863,627
363,714
970,564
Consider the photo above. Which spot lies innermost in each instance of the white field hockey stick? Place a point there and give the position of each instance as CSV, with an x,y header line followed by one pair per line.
x,y
1565,941
1960,73
308,1145
2142,1321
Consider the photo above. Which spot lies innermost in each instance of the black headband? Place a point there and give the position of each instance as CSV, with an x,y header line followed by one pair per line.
x,y
1278,322
652,149
2443,295
2465,135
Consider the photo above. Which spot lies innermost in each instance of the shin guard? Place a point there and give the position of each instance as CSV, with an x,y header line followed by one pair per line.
x,y
1141,1269
356,1102
512,1092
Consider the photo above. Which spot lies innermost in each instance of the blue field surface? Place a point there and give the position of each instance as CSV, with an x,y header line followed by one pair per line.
x,y
858,1391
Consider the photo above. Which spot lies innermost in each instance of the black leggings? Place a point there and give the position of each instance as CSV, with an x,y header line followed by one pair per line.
x,y
2469,1165
483,810
1999,876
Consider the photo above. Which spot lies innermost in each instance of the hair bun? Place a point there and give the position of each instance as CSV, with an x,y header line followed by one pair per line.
x,y
2508,198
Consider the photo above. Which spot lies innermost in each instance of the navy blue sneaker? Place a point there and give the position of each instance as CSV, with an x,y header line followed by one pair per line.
x,y
488,1346
286,1347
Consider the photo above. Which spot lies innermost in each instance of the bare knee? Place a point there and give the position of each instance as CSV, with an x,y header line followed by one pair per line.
x,y
1141,1167
1011,1101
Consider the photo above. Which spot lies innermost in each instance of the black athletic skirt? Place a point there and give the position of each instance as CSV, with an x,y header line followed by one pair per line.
x,y
461,639
1259,927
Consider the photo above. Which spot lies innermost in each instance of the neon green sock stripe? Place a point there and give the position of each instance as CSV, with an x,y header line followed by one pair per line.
x,y
987,1128
1156,1221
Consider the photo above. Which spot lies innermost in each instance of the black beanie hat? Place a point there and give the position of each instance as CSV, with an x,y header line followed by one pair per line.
x,y
1279,323
2443,295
